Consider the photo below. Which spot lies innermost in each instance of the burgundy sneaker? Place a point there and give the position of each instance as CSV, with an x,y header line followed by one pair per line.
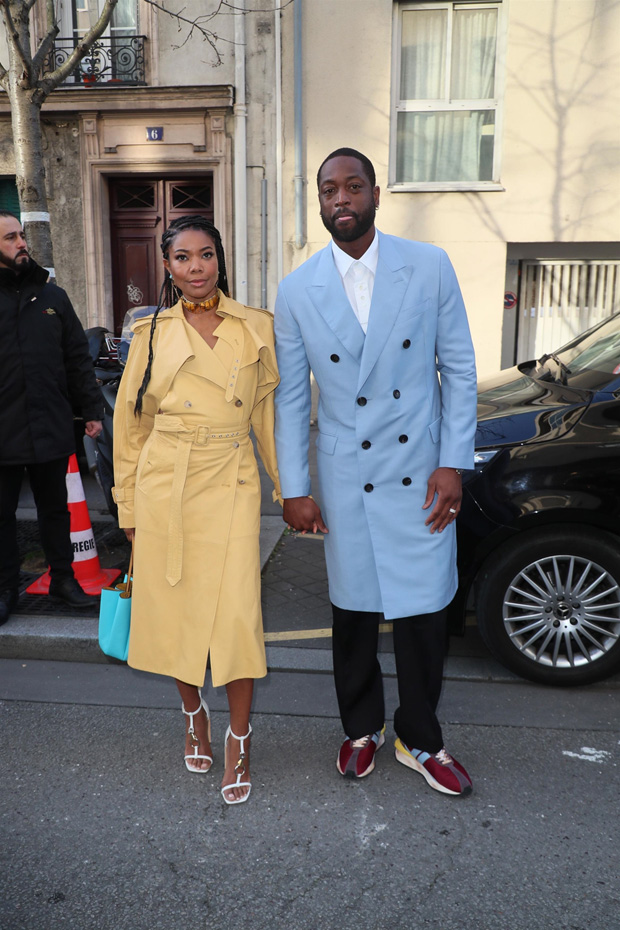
x,y
357,756
442,772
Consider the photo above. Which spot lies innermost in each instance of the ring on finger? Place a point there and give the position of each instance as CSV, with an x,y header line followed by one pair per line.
x,y
452,510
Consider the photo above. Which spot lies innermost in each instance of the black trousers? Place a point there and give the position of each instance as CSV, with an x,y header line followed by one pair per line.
x,y
419,649
49,487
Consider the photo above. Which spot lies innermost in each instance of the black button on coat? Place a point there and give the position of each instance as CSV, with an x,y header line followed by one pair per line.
x,y
46,372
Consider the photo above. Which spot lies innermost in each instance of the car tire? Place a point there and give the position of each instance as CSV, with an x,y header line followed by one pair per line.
x,y
548,605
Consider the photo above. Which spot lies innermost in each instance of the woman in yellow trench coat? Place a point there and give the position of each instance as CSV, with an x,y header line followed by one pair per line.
x,y
199,375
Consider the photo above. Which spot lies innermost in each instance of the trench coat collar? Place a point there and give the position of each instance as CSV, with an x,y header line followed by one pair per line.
x,y
328,296
173,347
391,282
173,344
239,333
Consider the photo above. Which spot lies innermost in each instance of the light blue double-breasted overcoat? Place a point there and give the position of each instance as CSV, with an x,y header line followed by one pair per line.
x,y
394,405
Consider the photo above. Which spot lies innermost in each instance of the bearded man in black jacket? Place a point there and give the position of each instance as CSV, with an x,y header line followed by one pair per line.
x,y
46,373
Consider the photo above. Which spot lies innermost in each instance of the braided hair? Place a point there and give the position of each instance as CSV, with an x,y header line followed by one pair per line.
x,y
169,294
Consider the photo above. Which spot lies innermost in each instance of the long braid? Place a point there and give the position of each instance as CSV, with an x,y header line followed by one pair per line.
x,y
167,296
147,374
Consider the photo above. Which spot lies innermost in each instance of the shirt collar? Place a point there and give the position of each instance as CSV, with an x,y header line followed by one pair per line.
x,y
369,258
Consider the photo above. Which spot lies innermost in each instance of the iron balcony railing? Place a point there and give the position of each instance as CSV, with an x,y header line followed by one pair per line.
x,y
111,60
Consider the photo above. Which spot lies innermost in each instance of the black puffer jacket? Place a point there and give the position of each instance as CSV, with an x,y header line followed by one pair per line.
x,y
46,372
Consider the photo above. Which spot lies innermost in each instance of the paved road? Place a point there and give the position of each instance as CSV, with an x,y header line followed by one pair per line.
x,y
102,828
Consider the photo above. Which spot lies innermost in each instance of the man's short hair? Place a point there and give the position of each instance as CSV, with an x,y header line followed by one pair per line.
x,y
9,213
351,153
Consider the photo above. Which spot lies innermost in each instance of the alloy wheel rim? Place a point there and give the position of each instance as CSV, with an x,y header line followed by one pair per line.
x,y
563,611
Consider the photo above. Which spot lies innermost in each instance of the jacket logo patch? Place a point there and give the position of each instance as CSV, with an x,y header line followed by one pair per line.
x,y
50,311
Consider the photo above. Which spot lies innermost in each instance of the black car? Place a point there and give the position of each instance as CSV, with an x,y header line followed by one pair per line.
x,y
539,529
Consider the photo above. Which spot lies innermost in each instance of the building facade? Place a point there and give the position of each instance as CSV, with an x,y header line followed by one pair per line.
x,y
492,125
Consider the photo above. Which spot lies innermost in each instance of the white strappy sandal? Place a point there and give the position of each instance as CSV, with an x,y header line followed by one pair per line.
x,y
240,768
195,742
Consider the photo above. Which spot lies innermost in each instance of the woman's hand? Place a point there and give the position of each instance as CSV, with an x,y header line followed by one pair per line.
x,y
130,533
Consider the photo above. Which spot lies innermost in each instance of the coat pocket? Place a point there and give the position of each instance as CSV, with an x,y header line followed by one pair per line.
x,y
409,313
326,443
434,429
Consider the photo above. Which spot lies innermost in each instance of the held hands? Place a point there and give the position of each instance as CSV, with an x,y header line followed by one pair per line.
x,y
303,515
445,485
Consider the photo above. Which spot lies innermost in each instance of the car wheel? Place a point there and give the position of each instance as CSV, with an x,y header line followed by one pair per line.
x,y
548,606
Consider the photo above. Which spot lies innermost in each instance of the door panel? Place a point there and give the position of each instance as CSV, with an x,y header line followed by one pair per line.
x,y
136,275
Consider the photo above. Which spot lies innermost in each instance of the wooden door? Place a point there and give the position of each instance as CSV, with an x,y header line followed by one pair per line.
x,y
140,210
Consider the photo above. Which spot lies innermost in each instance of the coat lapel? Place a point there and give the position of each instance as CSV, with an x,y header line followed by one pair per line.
x,y
330,300
391,282
171,347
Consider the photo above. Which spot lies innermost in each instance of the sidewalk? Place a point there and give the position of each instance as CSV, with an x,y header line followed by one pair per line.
x,y
296,608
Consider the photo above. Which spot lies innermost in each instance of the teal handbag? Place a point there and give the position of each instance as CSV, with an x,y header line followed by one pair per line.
x,y
115,616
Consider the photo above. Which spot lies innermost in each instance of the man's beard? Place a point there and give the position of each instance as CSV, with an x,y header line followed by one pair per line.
x,y
363,222
19,264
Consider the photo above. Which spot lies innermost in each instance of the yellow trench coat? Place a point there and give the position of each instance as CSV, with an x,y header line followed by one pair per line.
x,y
186,478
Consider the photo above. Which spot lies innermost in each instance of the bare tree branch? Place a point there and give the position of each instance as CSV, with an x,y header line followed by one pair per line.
x,y
24,55
244,11
195,24
47,43
53,78
198,23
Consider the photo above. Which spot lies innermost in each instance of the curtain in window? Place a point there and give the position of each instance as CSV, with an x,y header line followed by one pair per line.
x,y
448,144
423,54
473,54
124,17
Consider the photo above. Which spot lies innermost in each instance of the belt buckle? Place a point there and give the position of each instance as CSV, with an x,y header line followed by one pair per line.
x,y
202,435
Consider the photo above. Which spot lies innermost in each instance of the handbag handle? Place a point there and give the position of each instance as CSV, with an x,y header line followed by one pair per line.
x,y
127,591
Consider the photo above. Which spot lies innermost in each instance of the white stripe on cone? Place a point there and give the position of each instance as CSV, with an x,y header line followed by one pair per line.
x,y
75,488
84,547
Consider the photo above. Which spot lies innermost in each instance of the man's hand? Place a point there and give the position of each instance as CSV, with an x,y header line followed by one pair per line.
x,y
446,486
303,514
130,533
92,428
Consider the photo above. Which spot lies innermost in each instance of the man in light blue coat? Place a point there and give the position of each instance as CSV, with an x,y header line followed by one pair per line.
x,y
381,323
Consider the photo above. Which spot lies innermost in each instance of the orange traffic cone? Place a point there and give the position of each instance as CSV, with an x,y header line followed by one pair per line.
x,y
86,567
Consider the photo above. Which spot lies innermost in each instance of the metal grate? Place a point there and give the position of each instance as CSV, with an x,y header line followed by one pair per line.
x,y
110,60
559,300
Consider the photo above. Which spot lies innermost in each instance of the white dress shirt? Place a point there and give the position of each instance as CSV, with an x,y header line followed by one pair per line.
x,y
358,277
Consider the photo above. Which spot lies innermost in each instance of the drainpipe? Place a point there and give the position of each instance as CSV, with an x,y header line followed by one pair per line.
x,y
240,175
300,239
263,244
278,94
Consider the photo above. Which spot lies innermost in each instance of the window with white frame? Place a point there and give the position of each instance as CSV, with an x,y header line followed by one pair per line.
x,y
446,87
118,54
78,16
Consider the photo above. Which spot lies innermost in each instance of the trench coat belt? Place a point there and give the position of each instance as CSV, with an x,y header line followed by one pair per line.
x,y
187,437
